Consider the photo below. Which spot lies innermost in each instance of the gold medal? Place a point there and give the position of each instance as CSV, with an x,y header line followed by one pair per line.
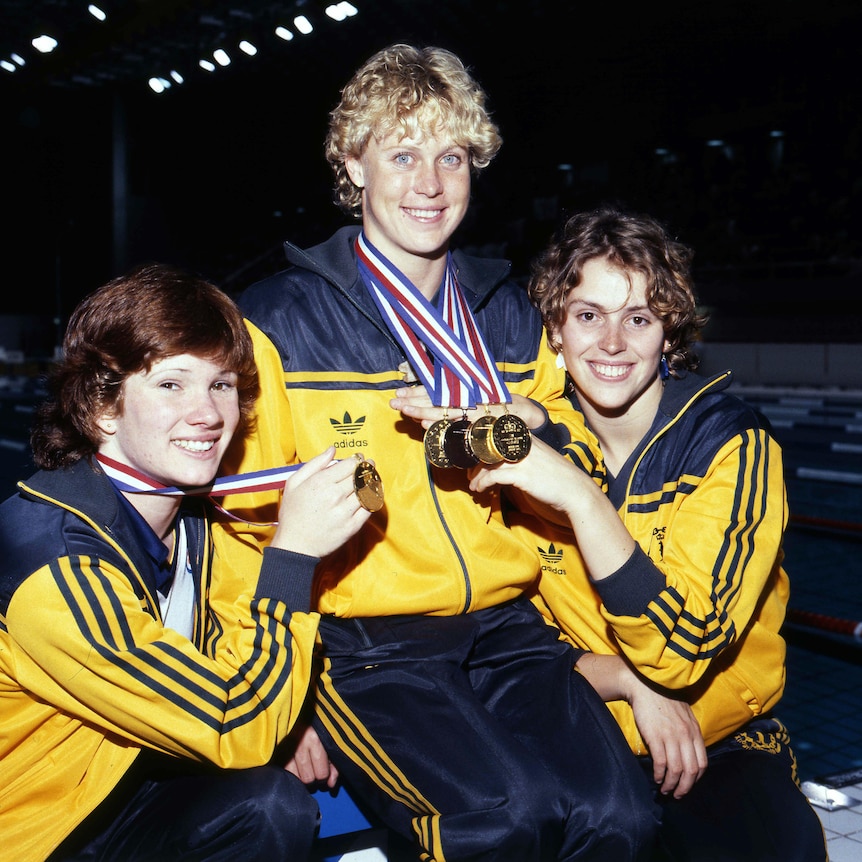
x,y
435,450
511,437
481,442
456,445
368,485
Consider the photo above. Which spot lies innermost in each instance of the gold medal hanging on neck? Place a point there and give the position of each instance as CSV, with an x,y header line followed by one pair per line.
x,y
435,438
457,446
494,439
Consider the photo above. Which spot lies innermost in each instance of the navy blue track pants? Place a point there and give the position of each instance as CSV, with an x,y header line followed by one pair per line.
x,y
170,809
474,735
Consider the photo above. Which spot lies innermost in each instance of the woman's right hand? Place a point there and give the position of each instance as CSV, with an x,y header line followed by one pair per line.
x,y
666,724
672,734
319,509
544,474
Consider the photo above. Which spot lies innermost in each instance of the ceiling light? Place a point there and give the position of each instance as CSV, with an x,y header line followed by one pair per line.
x,y
158,85
18,59
177,76
9,67
303,24
340,11
247,48
44,44
221,57
96,12
205,64
283,33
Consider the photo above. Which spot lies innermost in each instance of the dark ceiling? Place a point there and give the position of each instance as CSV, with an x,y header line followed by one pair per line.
x,y
223,166
144,38
537,50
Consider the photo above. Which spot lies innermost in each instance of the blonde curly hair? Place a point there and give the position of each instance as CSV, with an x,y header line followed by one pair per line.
x,y
416,91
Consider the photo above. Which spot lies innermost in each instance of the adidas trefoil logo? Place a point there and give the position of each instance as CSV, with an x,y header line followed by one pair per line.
x,y
552,559
347,425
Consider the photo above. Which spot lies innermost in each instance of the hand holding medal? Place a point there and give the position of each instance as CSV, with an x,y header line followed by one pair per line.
x,y
326,502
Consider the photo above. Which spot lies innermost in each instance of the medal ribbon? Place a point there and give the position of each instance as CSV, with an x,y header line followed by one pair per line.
x,y
133,481
465,372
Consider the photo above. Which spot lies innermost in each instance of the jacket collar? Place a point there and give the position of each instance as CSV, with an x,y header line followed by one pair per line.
x,y
680,392
335,260
84,490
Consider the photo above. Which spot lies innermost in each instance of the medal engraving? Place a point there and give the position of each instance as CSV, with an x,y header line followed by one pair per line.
x,y
512,438
457,447
435,450
368,486
481,442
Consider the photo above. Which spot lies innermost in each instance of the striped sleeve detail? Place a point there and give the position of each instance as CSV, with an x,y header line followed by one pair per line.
x,y
142,665
701,638
647,503
517,372
579,453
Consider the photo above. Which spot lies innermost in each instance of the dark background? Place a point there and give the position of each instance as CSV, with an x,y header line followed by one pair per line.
x,y
101,173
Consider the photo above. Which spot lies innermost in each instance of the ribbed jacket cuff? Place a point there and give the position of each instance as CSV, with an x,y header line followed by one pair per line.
x,y
629,590
554,434
287,575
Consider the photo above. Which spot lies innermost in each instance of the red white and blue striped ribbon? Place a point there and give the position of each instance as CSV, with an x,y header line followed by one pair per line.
x,y
132,481
135,482
465,373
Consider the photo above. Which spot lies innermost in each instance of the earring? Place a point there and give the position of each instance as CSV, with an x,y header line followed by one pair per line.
x,y
663,368
561,362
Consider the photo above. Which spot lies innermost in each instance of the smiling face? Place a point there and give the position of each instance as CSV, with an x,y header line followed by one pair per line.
x,y
612,344
176,422
414,195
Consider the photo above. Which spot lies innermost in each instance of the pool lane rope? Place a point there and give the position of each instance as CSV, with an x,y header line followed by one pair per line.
x,y
827,623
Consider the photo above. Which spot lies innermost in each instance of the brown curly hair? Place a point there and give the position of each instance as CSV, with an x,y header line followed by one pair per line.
x,y
633,242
